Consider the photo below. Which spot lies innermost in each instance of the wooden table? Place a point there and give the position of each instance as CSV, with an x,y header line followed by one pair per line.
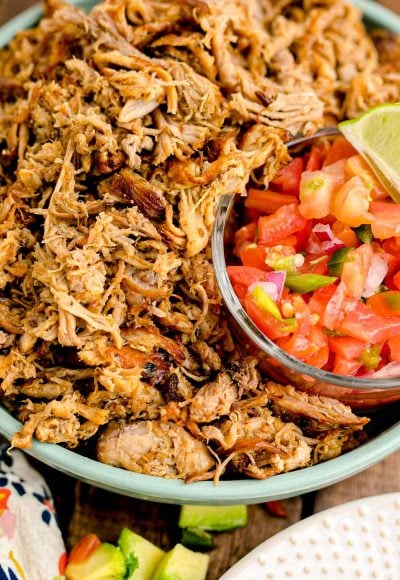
x,y
83,508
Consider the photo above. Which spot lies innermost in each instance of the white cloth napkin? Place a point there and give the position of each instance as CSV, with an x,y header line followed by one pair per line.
x,y
31,544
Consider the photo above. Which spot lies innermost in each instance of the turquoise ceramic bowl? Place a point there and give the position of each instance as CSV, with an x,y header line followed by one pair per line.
x,y
206,493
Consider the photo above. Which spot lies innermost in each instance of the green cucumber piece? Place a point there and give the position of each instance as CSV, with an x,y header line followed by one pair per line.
x,y
181,564
213,518
141,556
105,563
197,538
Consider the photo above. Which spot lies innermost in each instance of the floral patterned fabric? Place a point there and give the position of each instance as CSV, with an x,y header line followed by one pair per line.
x,y
31,544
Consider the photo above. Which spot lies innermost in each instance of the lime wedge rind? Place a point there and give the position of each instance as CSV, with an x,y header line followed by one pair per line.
x,y
375,134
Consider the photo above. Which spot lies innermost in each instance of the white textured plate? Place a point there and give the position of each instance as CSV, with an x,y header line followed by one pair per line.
x,y
359,539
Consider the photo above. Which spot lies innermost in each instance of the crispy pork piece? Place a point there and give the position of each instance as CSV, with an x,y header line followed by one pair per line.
x,y
315,413
154,448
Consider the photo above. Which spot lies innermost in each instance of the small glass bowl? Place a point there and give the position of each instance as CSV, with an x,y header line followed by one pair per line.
x,y
280,366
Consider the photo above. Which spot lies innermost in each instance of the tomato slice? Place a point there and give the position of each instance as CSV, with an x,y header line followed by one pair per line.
x,y
286,221
86,546
246,275
268,324
288,179
341,149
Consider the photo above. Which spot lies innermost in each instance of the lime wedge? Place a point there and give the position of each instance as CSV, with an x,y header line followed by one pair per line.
x,y
376,136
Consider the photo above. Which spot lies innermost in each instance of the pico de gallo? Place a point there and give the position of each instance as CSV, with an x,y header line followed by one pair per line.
x,y
318,263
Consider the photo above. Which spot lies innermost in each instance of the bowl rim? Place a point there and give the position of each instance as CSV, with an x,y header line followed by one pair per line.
x,y
206,493
228,492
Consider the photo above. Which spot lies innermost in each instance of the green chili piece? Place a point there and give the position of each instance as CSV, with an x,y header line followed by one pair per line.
x,y
304,283
335,264
364,233
264,301
370,357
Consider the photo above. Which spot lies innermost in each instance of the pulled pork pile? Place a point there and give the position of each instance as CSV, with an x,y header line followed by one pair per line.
x,y
119,131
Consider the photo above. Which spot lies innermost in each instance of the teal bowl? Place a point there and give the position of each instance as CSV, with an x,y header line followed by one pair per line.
x,y
227,492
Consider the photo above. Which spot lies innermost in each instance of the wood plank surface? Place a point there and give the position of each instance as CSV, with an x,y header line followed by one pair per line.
x,y
83,508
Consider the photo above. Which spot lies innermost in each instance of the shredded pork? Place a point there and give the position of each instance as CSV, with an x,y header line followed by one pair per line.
x,y
119,131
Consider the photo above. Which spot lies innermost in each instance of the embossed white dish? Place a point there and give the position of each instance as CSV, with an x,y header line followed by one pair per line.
x,y
356,540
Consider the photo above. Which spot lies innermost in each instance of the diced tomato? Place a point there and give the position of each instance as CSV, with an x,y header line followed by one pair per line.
x,y
286,221
334,187
385,304
386,222
62,563
341,149
276,508
355,270
253,255
334,309
241,291
346,346
362,323
303,235
246,275
396,280
356,166
391,245
243,236
268,324
345,234
288,179
84,548
316,193
345,366
267,201
308,344
320,298
320,358
315,264
350,203
315,159
394,346
251,215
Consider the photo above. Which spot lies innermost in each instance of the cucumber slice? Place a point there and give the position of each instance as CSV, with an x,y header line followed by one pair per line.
x,y
181,564
105,563
141,556
213,518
